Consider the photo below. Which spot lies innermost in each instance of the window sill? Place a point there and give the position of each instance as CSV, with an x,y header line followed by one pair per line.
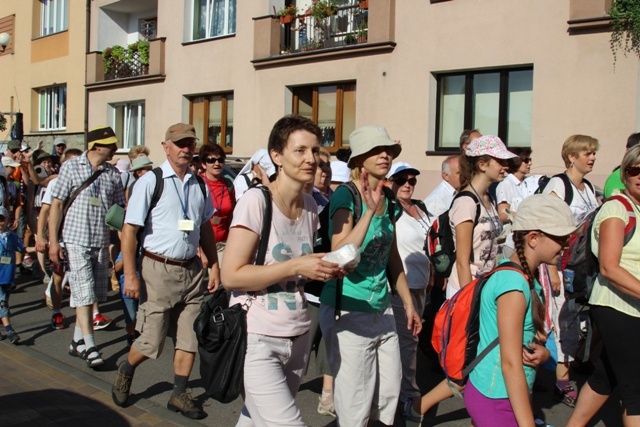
x,y
210,39
49,35
589,25
443,152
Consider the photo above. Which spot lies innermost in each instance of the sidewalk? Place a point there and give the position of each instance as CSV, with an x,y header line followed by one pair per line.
x,y
34,392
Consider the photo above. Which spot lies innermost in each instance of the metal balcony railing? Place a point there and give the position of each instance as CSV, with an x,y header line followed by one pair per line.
x,y
349,26
127,67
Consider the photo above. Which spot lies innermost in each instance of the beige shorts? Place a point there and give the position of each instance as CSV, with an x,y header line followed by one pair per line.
x,y
170,298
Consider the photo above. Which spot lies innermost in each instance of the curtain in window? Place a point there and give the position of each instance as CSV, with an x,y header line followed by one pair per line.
x,y
214,18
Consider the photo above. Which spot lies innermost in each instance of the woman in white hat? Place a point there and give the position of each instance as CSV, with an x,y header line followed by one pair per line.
x,y
362,344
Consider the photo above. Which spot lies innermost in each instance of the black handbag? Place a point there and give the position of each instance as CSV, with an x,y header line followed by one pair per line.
x,y
222,332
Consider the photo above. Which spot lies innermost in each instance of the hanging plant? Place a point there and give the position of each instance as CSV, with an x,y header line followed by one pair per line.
x,y
3,123
625,27
321,9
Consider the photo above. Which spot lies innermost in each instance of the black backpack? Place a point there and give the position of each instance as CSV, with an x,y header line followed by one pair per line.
x,y
439,245
568,186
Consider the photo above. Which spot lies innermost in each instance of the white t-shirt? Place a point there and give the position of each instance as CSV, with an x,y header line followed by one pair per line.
x,y
47,199
582,203
410,236
512,191
485,233
279,310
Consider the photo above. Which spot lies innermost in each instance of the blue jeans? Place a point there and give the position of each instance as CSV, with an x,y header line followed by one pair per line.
x,y
129,305
5,291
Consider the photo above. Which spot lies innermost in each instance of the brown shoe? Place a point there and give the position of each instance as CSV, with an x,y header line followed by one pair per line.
x,y
184,404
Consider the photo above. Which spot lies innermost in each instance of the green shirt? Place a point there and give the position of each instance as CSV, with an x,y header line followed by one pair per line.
x,y
613,182
365,289
487,376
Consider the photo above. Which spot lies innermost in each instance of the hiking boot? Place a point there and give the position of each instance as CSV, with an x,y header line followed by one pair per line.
x,y
13,337
100,322
567,395
409,415
121,387
326,407
184,404
57,321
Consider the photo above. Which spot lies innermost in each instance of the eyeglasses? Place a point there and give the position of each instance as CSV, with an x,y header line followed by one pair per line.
x,y
527,160
212,160
633,170
403,180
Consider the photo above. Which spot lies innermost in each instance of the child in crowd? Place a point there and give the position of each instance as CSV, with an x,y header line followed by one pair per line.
x,y
9,244
129,305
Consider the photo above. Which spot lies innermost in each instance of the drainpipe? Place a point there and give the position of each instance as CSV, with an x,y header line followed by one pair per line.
x,y
86,91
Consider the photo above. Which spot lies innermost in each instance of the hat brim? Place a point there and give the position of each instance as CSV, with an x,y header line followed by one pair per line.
x,y
137,168
181,136
561,231
396,149
407,170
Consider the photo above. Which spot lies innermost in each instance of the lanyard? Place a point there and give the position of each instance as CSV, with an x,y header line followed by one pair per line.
x,y
587,201
186,197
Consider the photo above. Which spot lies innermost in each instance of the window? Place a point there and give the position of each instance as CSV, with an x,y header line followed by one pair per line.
x,y
212,18
212,116
332,107
53,16
496,102
128,123
53,108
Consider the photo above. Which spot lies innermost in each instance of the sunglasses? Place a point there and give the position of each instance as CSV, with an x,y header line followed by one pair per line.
x,y
403,180
185,143
212,160
527,160
563,241
633,170
14,150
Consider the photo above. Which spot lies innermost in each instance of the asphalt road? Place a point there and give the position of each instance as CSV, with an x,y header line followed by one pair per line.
x,y
153,380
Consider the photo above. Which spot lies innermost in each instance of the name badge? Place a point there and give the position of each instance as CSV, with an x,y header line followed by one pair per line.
x,y
216,220
5,260
94,201
185,225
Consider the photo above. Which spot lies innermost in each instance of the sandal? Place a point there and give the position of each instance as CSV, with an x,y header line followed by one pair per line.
x,y
73,348
94,361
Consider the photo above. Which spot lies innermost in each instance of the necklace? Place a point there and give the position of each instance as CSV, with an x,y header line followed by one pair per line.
x,y
294,216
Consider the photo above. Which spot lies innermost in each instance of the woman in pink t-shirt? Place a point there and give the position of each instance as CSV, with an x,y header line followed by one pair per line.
x,y
277,318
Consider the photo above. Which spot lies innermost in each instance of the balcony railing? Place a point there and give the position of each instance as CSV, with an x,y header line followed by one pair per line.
x,y
349,26
129,68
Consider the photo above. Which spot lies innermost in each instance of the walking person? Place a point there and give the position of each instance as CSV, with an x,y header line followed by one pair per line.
x,y
10,243
362,344
87,238
172,282
277,316
512,310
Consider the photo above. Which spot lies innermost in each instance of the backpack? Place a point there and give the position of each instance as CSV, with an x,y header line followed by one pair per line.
x,y
439,245
581,262
568,186
456,328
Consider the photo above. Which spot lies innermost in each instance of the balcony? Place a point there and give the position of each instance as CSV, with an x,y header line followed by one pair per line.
x,y
348,31
127,68
587,16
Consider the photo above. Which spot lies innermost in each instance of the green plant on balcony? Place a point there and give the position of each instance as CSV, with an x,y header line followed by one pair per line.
x,y
3,123
322,9
363,32
625,27
287,14
350,39
127,56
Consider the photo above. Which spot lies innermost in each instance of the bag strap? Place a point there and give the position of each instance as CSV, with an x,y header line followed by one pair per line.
x,y
72,198
266,226
630,228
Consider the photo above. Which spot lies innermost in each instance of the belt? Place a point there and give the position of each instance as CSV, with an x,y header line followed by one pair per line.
x,y
167,260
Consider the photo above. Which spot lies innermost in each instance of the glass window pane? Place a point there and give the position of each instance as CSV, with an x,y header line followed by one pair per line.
x,y
486,102
348,113
327,103
305,101
118,124
451,111
520,102
215,119
229,136
197,117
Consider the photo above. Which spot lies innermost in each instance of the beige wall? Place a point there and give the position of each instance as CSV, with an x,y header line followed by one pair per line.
x,y
576,88
41,62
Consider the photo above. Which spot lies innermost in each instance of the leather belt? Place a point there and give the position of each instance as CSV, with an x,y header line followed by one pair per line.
x,y
167,260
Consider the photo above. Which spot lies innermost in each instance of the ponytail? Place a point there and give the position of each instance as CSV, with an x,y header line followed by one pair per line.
x,y
537,305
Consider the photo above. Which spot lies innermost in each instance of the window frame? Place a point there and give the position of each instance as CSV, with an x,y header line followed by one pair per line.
x,y
224,119
49,8
503,108
140,123
340,90
227,22
46,94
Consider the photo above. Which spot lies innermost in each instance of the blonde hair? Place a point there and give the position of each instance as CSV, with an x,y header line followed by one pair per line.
x,y
576,144
136,151
324,153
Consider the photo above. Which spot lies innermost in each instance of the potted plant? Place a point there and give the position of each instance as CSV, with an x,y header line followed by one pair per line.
x,y
362,33
350,39
321,9
3,123
287,14
363,4
625,27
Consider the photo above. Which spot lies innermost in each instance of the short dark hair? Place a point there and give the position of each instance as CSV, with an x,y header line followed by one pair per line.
x,y
285,127
515,162
208,149
75,152
633,139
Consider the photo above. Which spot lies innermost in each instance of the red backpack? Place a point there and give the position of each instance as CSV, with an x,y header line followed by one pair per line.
x,y
456,329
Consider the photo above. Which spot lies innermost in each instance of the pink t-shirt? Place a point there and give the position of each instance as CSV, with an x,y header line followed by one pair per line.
x,y
279,310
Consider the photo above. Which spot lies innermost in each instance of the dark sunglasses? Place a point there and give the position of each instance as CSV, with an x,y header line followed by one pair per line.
x,y
633,170
563,241
527,160
184,143
212,160
403,180
14,150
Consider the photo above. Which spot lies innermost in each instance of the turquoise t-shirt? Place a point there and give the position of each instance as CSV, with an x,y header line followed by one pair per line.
x,y
487,376
365,289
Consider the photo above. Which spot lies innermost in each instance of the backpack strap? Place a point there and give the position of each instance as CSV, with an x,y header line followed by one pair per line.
x,y
475,200
630,228
266,226
568,187
72,197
